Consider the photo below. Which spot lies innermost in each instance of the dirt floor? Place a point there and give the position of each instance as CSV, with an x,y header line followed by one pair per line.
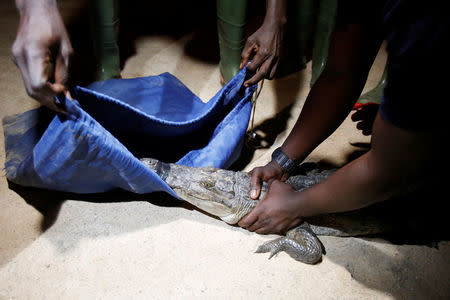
x,y
119,245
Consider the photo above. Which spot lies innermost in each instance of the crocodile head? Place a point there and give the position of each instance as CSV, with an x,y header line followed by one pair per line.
x,y
222,193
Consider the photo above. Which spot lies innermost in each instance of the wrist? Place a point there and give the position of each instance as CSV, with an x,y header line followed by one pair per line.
x,y
274,24
283,161
274,165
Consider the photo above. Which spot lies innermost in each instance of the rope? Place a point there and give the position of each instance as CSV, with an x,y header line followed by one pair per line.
x,y
251,134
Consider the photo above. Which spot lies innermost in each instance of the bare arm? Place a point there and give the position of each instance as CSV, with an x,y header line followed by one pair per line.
x,y
352,50
396,159
42,50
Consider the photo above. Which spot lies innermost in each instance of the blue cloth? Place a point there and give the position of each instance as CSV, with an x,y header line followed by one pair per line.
x,y
96,146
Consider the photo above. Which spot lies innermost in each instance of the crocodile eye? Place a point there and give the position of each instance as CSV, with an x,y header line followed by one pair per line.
x,y
207,184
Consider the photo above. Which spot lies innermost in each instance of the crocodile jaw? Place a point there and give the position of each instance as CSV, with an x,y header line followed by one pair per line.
x,y
229,210
215,208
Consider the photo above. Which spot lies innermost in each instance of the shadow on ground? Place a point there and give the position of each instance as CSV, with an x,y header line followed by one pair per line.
x,y
49,203
414,248
264,137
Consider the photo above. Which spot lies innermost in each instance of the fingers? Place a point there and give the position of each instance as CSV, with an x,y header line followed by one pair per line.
x,y
255,221
259,223
68,95
250,218
62,66
261,62
255,183
61,72
261,55
40,70
36,68
273,69
267,173
260,74
262,226
249,48
47,96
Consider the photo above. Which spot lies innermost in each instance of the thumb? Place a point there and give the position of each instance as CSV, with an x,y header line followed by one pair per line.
x,y
255,185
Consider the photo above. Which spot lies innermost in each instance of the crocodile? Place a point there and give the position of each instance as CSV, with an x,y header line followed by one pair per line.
x,y
225,194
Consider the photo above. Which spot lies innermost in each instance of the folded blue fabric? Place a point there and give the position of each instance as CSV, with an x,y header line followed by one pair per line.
x,y
96,146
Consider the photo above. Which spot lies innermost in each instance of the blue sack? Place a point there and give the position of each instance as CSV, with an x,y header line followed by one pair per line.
x,y
96,146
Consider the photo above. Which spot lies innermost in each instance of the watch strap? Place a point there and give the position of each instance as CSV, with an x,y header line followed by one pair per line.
x,y
288,165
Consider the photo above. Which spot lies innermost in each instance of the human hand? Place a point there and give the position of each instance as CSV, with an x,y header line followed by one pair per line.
x,y
263,48
365,116
277,212
42,50
267,173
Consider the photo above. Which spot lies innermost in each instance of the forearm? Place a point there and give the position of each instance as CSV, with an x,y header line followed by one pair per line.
x,y
327,105
356,185
398,160
352,50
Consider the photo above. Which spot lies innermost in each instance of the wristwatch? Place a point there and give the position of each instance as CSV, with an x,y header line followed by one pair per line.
x,y
287,164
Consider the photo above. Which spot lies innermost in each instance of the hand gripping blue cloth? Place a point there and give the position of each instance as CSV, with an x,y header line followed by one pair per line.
x,y
96,146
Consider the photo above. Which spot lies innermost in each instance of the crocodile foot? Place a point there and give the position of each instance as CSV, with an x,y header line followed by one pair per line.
x,y
300,243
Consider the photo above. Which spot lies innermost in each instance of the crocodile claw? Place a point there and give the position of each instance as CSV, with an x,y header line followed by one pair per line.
x,y
300,243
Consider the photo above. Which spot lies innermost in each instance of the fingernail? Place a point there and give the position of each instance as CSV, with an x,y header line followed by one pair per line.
x,y
253,193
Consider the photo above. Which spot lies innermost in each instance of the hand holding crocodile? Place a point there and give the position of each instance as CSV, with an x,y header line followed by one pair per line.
x,y
276,213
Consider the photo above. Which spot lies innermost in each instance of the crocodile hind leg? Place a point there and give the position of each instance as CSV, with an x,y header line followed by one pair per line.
x,y
300,243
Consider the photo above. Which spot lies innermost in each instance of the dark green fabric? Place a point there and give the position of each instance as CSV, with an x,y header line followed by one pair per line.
x,y
324,28
310,24
105,27
231,21
298,37
375,94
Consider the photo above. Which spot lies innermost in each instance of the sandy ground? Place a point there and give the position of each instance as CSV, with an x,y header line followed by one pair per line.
x,y
118,245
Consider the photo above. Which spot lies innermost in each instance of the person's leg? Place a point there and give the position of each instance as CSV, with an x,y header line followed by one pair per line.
x,y
324,28
231,21
105,25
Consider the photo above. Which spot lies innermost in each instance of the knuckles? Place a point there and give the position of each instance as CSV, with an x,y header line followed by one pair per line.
x,y
67,51
264,52
37,85
17,51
